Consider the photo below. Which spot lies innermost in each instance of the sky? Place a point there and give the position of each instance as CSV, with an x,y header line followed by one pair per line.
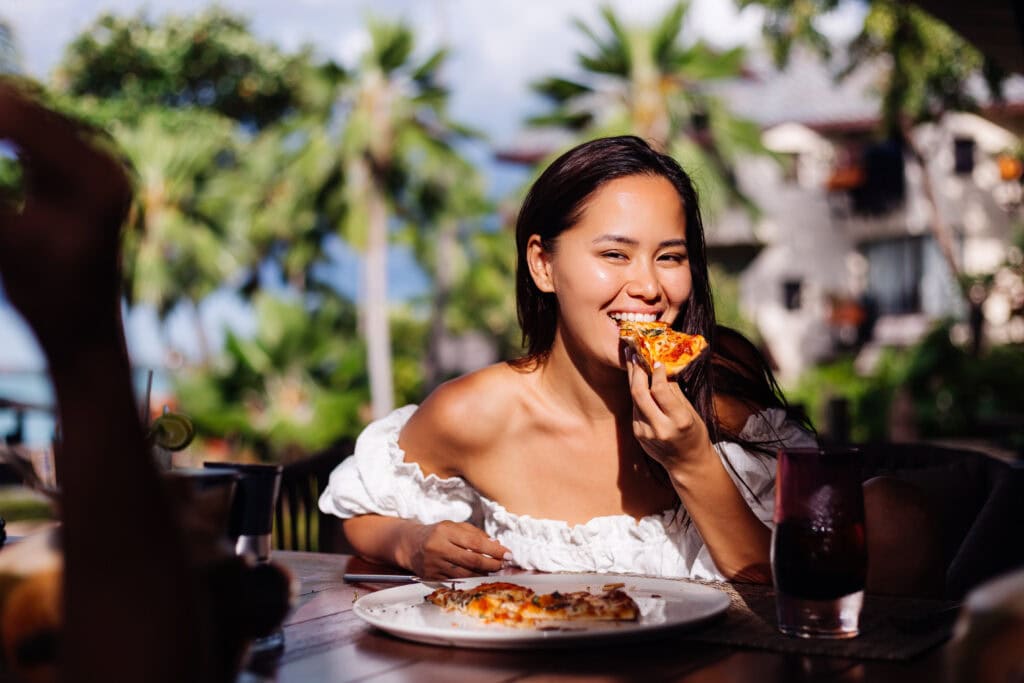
x,y
497,48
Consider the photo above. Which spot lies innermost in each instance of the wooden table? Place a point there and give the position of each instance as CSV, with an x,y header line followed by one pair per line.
x,y
325,641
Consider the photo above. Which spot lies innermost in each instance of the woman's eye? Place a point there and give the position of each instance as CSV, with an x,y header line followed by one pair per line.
x,y
673,258
614,255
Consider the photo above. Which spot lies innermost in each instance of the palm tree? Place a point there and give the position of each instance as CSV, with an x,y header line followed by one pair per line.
x,y
394,119
646,82
449,199
174,252
269,197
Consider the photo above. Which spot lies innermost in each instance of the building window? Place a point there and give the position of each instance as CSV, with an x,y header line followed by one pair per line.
x,y
791,294
895,270
963,156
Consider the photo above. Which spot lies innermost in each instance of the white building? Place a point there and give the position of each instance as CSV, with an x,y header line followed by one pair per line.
x,y
846,226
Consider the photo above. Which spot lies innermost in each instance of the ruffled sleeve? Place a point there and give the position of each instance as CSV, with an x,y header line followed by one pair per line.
x,y
753,473
376,479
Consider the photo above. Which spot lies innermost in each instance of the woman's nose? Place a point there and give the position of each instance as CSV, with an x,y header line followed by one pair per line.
x,y
643,284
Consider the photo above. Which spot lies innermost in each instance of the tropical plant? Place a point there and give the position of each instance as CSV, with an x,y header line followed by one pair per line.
x,y
449,206
953,392
294,385
394,122
174,253
299,383
185,99
270,197
647,82
210,60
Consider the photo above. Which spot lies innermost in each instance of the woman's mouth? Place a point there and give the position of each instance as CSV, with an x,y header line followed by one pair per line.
x,y
619,316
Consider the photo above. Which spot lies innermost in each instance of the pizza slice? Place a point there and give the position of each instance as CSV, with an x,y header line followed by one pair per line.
x,y
496,601
514,605
612,605
656,341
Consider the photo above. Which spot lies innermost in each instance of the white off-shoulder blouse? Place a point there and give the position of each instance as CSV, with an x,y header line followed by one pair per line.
x,y
376,479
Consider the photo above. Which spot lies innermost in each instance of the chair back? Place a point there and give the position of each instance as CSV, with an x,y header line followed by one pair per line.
x,y
980,500
298,522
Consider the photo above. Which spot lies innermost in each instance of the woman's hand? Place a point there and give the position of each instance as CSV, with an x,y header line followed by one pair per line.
x,y
451,550
664,421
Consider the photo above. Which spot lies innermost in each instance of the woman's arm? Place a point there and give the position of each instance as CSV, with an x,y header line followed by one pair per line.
x,y
445,550
436,437
671,432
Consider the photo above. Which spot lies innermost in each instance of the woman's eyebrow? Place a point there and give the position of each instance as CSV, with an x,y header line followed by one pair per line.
x,y
615,238
621,239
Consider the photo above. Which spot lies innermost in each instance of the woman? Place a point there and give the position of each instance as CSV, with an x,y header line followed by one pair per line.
x,y
573,458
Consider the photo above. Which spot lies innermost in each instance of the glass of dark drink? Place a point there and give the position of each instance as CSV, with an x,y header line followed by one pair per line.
x,y
819,559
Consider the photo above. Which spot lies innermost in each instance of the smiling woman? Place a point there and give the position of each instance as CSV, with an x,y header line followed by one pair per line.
x,y
574,458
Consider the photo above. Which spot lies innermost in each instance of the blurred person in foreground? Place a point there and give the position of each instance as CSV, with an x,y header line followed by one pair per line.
x,y
166,605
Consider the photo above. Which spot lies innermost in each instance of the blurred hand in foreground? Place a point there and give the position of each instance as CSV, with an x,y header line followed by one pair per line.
x,y
173,606
59,246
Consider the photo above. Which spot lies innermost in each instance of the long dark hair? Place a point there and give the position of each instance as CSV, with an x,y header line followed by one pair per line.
x,y
555,203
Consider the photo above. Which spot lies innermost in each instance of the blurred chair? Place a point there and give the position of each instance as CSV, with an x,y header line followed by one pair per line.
x,y
980,500
298,522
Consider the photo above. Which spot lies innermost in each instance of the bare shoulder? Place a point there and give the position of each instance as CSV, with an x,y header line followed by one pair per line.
x,y
461,419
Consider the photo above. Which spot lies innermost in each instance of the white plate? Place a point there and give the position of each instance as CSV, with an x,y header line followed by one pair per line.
x,y
663,603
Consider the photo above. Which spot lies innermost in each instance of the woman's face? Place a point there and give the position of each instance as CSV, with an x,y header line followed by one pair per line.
x,y
625,259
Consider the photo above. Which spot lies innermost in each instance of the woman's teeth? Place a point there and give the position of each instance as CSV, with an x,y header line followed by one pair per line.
x,y
635,317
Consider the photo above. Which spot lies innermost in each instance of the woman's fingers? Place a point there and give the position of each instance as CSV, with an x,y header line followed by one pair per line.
x,y
670,397
461,550
474,550
639,388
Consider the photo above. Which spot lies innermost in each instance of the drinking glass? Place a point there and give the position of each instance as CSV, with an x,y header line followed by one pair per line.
x,y
819,559
252,514
251,526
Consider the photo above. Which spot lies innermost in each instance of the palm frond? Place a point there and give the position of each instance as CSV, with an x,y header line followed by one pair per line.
x,y
426,72
666,34
702,63
392,44
560,90
610,56
575,121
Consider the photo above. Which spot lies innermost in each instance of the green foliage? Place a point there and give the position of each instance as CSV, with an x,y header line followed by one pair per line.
x,y
297,385
791,22
246,160
210,60
957,394
868,397
929,66
173,250
725,287
953,394
11,178
22,504
646,81
482,296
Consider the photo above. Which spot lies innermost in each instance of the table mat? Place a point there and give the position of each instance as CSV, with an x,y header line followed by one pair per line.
x,y
892,628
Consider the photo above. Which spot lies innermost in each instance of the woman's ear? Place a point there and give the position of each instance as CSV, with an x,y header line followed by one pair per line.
x,y
539,260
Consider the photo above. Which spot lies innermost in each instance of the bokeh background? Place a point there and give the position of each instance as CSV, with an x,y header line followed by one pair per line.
x,y
325,194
